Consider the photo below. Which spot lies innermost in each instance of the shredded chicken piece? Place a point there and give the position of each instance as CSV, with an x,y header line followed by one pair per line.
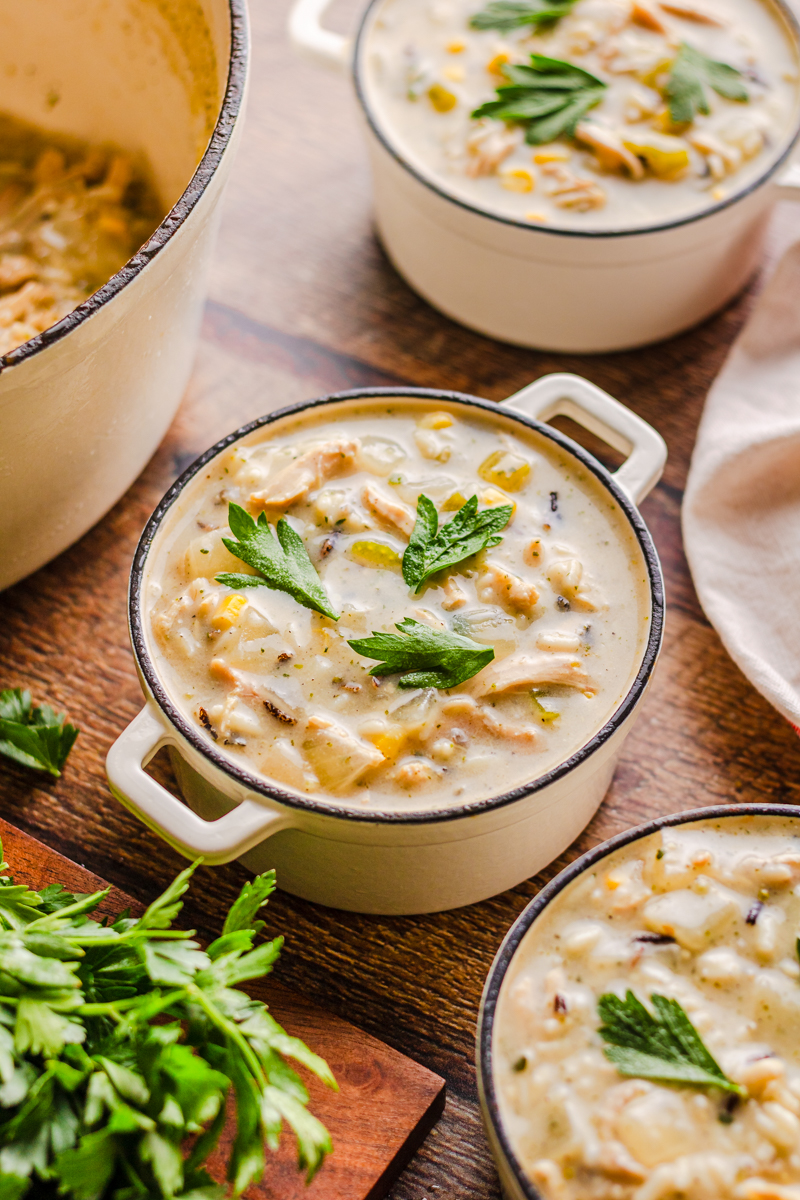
x,y
609,149
572,191
390,512
519,673
310,470
414,772
254,688
488,146
337,756
499,586
642,14
454,595
428,618
469,712
689,12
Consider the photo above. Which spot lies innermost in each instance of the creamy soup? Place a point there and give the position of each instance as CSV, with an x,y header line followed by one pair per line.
x,y
706,915
510,659
640,136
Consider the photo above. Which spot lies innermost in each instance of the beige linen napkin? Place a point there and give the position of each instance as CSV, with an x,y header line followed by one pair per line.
x,y
741,510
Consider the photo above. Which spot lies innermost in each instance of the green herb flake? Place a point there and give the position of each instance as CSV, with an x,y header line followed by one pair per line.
x,y
121,1040
424,657
506,15
664,1046
691,73
282,562
548,97
34,737
432,549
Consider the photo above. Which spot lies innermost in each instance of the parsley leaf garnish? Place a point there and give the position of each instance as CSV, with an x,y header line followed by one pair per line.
x,y
431,549
283,563
506,15
548,97
119,1041
424,657
665,1047
691,72
35,737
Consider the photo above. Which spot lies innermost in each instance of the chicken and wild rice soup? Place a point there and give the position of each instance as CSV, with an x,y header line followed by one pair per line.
x,y
595,114
404,607
645,1040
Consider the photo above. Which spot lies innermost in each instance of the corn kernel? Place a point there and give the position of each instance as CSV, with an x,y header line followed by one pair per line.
x,y
375,554
663,121
493,496
495,65
389,741
536,216
456,47
652,78
718,193
435,420
454,503
555,154
665,156
228,612
440,98
518,180
506,470
455,73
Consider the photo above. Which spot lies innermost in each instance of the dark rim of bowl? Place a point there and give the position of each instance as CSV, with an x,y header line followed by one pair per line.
x,y
793,26
172,222
518,930
204,745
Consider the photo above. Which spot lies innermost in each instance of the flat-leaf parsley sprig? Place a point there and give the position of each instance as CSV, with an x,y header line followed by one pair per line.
x,y
282,562
506,15
119,1041
664,1045
431,549
691,73
423,656
549,97
34,737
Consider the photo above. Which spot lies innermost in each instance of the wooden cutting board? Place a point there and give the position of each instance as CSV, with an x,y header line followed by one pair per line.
x,y
386,1104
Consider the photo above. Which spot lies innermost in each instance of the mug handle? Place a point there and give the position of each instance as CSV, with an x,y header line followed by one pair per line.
x,y
307,35
572,396
215,842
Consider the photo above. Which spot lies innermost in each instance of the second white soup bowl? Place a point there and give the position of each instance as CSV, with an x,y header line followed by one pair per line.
x,y
393,862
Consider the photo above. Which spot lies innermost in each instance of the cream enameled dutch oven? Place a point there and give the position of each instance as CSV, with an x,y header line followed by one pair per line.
x,y
84,405
398,862
514,1181
553,289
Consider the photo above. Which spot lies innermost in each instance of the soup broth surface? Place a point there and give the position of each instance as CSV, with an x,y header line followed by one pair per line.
x,y
627,163
706,914
562,601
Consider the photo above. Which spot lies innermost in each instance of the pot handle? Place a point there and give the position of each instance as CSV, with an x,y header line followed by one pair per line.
x,y
322,46
215,842
572,396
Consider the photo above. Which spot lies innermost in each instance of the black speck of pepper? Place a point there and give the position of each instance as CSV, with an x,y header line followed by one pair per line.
x,y
554,502
559,1003
563,603
729,1107
655,939
752,915
520,1064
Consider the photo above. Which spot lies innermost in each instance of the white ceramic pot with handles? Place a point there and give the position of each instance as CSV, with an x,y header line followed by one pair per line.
x,y
84,404
394,862
549,288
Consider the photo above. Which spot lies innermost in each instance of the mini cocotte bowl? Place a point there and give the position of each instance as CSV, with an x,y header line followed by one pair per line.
x,y
84,405
392,862
540,286
514,1181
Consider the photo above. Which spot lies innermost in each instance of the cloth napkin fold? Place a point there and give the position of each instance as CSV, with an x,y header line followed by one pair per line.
x,y
741,509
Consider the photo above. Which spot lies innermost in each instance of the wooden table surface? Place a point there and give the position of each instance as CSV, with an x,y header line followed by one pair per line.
x,y
302,302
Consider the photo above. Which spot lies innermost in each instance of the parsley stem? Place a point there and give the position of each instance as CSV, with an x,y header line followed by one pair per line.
x,y
111,1007
230,1030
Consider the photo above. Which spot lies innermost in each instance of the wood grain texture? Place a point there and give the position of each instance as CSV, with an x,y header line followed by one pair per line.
x,y
303,301
385,1106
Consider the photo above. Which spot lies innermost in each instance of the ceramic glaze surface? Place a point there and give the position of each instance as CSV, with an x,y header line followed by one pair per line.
x,y
562,602
705,914
425,71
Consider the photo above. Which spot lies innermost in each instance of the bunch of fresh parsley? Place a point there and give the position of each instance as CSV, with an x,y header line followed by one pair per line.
x,y
690,74
664,1045
35,737
119,1041
506,15
423,656
549,97
282,562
